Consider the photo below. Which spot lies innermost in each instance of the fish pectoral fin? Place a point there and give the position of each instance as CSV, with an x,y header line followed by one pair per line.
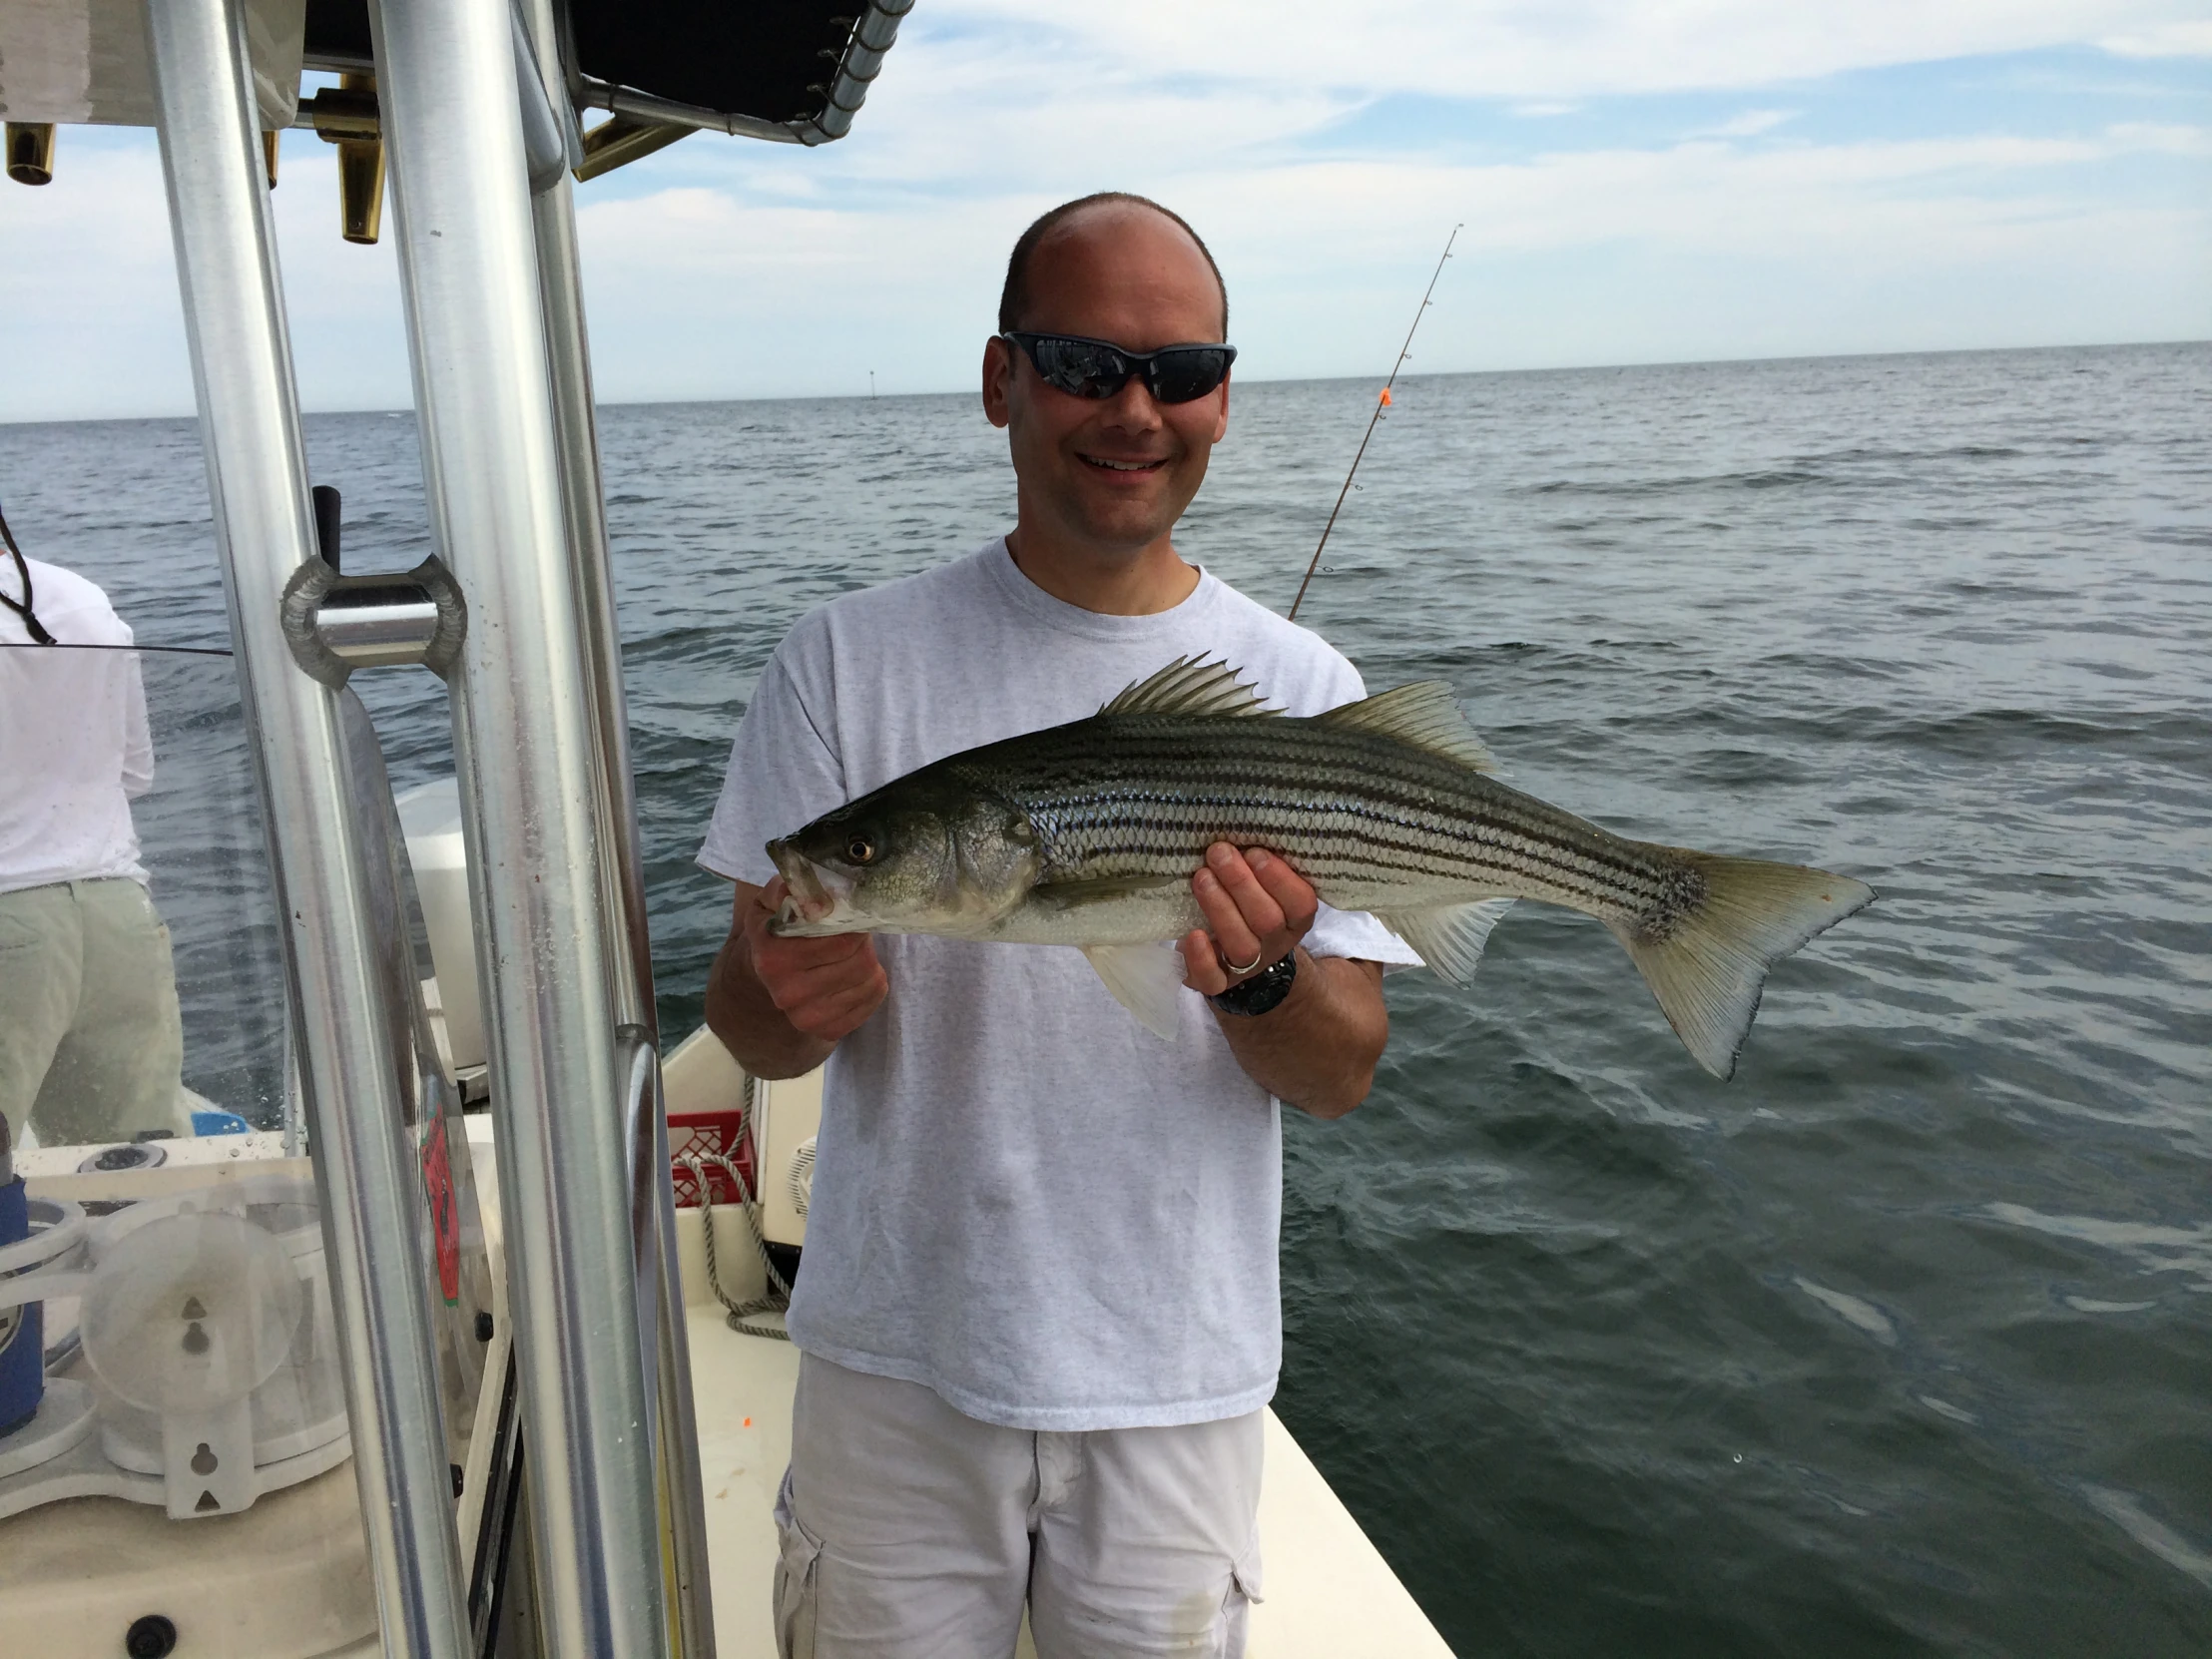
x,y
1709,964
1189,687
1449,939
1147,979
1424,715
1073,895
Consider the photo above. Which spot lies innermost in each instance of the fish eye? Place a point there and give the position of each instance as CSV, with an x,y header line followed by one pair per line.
x,y
860,850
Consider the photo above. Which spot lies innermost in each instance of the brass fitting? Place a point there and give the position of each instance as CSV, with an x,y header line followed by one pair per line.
x,y
31,152
346,116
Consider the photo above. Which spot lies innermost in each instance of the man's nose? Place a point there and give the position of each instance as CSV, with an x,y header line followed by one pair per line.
x,y
1133,406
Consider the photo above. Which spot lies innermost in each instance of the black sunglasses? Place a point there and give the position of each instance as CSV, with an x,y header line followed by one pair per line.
x,y
1098,369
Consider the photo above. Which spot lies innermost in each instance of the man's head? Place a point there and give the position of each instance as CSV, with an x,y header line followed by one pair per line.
x,y
1112,475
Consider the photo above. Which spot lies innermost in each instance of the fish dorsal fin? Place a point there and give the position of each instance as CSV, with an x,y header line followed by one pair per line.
x,y
1189,687
1422,715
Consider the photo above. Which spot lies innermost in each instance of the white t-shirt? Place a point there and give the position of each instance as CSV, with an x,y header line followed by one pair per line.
x,y
73,738
1022,1199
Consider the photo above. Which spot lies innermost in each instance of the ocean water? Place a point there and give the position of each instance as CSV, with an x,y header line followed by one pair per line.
x,y
1901,1343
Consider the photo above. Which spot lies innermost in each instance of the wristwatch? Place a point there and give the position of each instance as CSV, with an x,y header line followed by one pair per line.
x,y
1264,990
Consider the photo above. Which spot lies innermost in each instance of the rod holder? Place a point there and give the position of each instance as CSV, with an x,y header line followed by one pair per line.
x,y
342,112
335,624
327,524
31,152
625,139
348,117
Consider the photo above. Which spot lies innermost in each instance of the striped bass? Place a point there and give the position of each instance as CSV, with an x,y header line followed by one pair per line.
x,y
1087,835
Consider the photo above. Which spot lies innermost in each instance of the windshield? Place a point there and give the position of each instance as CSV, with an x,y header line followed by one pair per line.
x,y
139,965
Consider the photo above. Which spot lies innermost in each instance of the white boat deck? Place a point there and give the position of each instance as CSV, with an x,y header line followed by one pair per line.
x,y
1329,1592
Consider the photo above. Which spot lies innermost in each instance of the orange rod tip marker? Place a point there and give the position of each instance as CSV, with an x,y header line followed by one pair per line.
x,y
1380,403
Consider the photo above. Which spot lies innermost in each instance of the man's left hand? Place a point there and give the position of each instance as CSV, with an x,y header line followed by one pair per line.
x,y
1257,909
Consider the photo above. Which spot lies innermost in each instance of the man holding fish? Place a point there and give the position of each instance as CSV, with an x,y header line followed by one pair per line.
x,y
1039,1312
1039,1307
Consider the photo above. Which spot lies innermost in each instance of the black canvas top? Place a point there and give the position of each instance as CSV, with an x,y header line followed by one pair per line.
x,y
770,59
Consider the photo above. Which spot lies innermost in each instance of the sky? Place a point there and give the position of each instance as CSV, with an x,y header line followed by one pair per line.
x,y
1639,180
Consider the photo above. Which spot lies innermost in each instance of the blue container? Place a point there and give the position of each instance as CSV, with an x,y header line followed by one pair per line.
x,y
220,1123
22,1330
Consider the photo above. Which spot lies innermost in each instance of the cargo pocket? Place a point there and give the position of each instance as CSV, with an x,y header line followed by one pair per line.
x,y
798,1565
1236,1605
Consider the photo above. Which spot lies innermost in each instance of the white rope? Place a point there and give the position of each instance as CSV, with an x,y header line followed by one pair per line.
x,y
779,1296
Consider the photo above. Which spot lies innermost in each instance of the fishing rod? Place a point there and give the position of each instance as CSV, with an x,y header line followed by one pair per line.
x,y
1380,403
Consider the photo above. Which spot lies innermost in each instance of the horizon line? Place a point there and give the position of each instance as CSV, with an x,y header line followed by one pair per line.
x,y
1281,380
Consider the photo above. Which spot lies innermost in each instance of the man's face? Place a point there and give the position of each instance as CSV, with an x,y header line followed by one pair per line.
x,y
1111,474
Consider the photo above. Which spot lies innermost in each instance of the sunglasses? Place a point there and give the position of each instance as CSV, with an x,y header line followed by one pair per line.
x,y
1098,369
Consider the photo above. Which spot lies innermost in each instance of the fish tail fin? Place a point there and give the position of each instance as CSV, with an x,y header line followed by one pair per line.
x,y
1707,960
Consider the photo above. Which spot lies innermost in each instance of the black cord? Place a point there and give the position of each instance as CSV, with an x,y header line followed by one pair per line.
x,y
135,650
37,629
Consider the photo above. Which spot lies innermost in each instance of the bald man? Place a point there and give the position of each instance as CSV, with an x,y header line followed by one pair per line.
x,y
1039,1315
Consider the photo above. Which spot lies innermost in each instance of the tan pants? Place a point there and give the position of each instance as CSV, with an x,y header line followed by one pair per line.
x,y
90,1044
910,1530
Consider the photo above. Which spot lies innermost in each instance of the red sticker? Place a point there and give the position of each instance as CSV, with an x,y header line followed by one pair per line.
x,y
445,1210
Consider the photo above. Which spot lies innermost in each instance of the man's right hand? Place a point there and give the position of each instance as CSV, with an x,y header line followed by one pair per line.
x,y
780,1005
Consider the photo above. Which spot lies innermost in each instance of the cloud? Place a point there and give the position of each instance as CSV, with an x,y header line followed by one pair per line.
x,y
1748,125
1530,49
2166,40
1701,248
1323,149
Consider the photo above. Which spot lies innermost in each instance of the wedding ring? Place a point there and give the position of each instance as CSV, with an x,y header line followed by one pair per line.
x,y
1245,967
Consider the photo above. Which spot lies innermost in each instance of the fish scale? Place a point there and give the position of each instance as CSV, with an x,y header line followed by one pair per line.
x,y
1367,821
1088,835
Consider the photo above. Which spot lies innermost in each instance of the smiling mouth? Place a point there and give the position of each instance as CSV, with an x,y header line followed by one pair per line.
x,y
1107,464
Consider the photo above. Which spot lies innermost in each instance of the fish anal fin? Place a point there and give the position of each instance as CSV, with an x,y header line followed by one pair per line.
x,y
1449,939
1188,686
1147,979
1708,962
1422,715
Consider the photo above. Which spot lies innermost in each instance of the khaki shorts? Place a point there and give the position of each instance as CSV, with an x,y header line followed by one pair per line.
x,y
90,1044
910,1529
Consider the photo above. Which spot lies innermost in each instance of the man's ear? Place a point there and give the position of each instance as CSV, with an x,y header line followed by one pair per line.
x,y
998,381
1221,416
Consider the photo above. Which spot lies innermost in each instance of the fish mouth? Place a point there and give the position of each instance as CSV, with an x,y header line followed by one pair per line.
x,y
818,902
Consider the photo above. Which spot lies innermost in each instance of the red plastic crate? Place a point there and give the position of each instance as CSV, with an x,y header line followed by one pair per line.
x,y
702,1134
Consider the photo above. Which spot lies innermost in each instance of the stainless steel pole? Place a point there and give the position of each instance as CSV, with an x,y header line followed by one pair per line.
x,y
524,737
257,485
622,890
554,214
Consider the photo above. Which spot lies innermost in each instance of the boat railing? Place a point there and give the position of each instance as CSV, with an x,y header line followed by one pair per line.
x,y
489,275
250,426
660,1300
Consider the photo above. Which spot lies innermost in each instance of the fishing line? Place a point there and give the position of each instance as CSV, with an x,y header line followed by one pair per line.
x,y
1380,403
37,629
135,650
